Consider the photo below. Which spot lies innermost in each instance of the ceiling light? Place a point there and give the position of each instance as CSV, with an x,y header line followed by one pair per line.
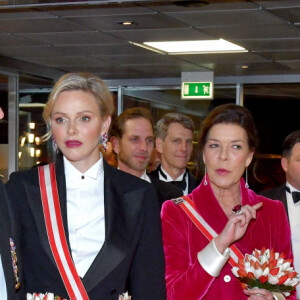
x,y
193,47
245,67
125,23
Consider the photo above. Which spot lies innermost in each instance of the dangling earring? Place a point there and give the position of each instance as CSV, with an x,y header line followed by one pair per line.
x,y
104,140
54,145
246,184
205,181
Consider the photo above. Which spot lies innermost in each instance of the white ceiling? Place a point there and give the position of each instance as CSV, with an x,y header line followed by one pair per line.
x,y
48,40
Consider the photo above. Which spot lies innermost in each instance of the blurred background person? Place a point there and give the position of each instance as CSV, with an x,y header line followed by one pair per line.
x,y
132,138
197,268
289,193
174,141
97,233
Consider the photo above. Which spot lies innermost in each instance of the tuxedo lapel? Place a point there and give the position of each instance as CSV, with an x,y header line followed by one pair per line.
x,y
282,197
120,226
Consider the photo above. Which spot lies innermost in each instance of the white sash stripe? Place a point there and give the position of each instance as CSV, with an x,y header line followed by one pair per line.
x,y
56,233
200,219
207,226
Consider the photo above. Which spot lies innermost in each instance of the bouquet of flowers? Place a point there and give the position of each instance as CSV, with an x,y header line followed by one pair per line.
x,y
268,270
40,296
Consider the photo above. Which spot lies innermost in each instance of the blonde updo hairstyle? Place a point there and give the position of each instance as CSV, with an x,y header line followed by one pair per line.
x,y
75,82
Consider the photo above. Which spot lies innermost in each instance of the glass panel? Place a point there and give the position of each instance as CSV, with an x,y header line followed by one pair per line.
x,y
31,129
275,108
4,128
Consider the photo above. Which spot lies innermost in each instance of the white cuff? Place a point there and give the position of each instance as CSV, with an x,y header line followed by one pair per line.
x,y
211,260
278,296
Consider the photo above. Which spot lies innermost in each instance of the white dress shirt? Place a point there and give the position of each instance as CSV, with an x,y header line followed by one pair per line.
x,y
85,212
169,178
145,177
3,293
294,217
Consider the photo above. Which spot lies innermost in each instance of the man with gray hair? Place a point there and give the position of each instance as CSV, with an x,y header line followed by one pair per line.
x,y
174,140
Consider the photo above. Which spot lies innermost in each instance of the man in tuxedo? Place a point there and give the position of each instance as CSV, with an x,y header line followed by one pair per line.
x,y
174,141
289,193
132,138
9,273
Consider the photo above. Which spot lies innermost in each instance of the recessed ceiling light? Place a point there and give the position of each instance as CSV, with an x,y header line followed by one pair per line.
x,y
125,23
245,67
193,47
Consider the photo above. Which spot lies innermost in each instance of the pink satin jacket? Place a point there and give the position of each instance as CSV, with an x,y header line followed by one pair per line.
x,y
185,278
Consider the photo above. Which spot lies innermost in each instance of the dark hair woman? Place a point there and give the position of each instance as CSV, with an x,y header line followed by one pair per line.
x,y
197,268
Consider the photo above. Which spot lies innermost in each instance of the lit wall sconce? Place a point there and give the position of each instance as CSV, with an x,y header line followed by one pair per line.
x,y
30,138
23,139
31,151
38,152
20,155
37,140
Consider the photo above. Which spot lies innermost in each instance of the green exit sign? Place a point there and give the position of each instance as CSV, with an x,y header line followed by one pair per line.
x,y
197,90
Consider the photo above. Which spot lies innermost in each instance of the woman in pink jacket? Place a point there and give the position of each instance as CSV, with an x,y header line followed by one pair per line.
x,y
197,268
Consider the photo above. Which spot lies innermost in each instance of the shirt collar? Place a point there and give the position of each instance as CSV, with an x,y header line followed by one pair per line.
x,y
169,178
144,176
292,189
93,172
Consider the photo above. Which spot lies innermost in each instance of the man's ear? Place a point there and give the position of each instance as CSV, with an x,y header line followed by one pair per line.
x,y
158,145
115,144
284,164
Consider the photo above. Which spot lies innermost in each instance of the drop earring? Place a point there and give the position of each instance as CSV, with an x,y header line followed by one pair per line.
x,y
205,181
246,184
54,145
104,140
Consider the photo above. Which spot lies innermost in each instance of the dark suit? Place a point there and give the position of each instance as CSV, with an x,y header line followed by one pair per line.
x,y
166,191
131,258
277,193
7,231
192,184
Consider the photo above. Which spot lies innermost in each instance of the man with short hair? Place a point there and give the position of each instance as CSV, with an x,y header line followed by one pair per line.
x,y
174,140
132,138
9,265
289,193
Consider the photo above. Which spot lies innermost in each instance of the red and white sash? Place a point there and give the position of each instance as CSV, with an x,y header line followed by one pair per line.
x,y
56,234
189,208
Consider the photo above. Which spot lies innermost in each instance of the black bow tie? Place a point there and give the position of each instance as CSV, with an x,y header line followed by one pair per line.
x,y
179,183
295,195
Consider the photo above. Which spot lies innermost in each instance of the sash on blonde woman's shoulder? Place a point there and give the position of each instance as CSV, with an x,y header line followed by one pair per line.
x,y
56,234
188,206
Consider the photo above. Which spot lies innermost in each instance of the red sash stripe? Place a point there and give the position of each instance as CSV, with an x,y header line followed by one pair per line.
x,y
56,234
189,208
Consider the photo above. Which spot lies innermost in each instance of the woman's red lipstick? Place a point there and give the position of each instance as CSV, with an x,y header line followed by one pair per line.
x,y
73,143
222,172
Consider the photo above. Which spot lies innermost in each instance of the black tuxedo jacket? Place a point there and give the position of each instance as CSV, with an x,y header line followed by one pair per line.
x,y
7,231
192,184
278,193
165,190
131,258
